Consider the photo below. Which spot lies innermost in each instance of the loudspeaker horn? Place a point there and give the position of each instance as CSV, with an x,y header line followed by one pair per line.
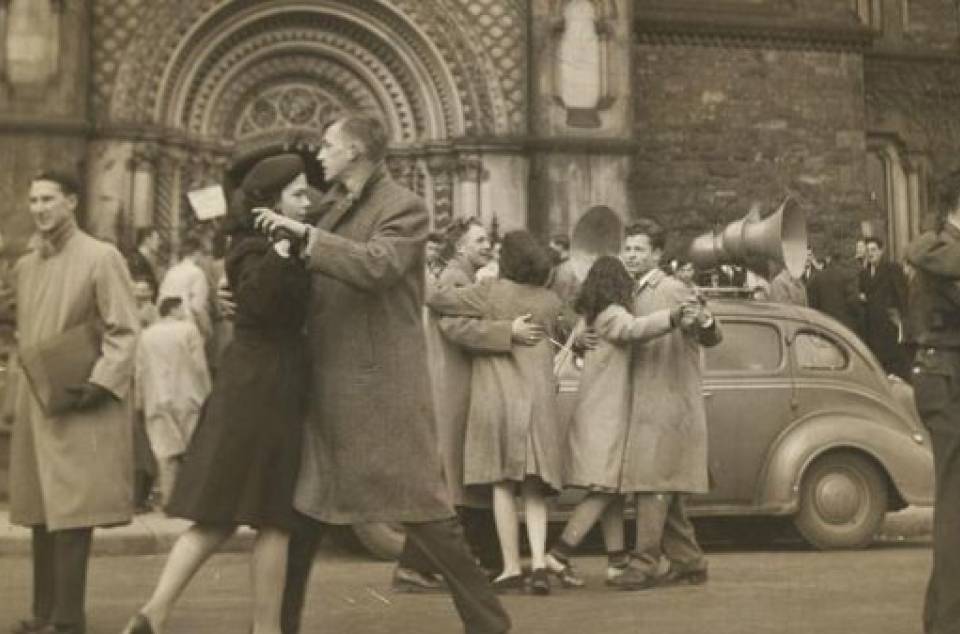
x,y
781,237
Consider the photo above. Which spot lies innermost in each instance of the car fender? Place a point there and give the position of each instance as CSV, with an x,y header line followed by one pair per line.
x,y
907,460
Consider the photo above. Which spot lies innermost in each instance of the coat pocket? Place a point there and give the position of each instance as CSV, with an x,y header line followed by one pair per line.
x,y
934,382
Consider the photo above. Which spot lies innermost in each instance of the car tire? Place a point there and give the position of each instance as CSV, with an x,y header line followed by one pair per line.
x,y
381,539
843,498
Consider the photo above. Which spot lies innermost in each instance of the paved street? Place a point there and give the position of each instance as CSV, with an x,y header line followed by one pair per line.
x,y
782,590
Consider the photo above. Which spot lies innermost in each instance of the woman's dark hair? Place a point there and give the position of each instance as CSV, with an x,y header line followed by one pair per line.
x,y
524,260
454,233
607,282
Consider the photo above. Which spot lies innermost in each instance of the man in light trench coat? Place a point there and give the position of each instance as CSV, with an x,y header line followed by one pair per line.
x,y
370,441
74,471
665,458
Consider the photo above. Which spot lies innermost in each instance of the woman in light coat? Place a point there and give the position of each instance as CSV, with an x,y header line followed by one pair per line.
x,y
512,428
598,432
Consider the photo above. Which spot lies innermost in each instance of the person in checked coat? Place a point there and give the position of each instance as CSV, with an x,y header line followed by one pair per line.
x,y
370,440
241,465
71,472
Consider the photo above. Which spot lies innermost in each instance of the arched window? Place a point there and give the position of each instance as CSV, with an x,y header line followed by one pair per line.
x,y
895,188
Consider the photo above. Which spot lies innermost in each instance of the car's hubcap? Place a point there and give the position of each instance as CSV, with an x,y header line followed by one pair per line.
x,y
838,498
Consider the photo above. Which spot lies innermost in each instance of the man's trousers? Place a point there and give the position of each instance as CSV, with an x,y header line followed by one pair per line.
x,y
60,575
441,541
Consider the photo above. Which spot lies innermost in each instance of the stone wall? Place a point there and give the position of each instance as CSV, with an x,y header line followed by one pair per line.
x,y
933,24
721,129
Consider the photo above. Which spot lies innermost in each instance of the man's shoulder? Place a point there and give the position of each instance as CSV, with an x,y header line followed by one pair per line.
x,y
398,196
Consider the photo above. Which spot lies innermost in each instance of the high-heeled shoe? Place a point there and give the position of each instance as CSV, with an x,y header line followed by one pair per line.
x,y
139,624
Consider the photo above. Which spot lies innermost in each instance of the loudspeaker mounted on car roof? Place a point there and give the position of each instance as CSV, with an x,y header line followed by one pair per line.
x,y
781,237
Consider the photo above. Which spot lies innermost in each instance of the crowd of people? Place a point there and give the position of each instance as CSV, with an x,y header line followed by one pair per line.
x,y
377,372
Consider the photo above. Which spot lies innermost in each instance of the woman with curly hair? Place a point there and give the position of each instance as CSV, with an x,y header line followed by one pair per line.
x,y
512,427
242,463
595,457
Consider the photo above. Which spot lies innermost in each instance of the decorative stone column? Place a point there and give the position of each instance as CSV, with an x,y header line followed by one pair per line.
x,y
470,176
581,111
109,186
144,166
441,166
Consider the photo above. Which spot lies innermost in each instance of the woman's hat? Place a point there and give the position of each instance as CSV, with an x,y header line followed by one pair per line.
x,y
271,175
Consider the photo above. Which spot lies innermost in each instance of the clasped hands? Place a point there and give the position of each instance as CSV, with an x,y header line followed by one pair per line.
x,y
287,234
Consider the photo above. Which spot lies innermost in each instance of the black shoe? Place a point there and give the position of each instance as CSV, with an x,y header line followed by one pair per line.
x,y
632,579
539,582
564,571
677,576
513,583
415,582
29,626
139,624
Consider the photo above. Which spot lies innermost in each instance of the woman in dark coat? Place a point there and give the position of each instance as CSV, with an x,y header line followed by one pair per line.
x,y
241,466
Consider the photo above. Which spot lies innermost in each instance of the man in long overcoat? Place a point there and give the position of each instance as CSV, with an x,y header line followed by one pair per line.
x,y
884,292
71,472
370,441
665,457
835,291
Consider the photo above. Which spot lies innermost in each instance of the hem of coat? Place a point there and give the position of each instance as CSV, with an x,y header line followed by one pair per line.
x,y
664,489
104,520
553,488
328,517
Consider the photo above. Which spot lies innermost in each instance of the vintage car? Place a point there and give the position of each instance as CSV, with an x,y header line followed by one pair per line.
x,y
803,423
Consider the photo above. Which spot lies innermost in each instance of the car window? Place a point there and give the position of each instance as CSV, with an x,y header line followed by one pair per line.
x,y
816,352
746,347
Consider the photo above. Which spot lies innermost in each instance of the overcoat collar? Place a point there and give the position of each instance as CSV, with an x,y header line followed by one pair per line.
x,y
346,197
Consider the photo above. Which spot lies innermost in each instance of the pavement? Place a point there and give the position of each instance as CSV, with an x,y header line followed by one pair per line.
x,y
148,534
154,533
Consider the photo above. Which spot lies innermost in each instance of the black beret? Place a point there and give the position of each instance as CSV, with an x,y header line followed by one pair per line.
x,y
270,175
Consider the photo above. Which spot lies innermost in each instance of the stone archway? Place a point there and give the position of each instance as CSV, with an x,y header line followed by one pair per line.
x,y
225,79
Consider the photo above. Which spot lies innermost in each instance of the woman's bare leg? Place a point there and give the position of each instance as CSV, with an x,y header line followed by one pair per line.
x,y
186,557
505,517
268,569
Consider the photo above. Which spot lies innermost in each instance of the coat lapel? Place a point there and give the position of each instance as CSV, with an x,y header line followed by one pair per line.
x,y
345,201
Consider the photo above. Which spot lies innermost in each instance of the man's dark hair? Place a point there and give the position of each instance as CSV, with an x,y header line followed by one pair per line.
x,y
455,232
524,260
369,132
874,240
68,183
607,282
143,233
191,242
562,240
168,305
650,228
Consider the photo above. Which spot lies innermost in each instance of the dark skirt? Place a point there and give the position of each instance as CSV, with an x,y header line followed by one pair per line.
x,y
242,463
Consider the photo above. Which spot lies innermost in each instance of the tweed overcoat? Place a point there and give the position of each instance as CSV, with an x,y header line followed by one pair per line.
x,y
75,470
451,341
666,447
512,429
370,450
598,430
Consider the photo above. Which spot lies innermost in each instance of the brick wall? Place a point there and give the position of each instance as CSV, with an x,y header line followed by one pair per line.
x,y
722,128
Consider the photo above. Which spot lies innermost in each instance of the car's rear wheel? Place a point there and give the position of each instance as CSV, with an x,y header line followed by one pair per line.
x,y
382,540
843,498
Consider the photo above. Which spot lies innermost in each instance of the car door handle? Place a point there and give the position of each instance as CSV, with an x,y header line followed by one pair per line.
x,y
707,394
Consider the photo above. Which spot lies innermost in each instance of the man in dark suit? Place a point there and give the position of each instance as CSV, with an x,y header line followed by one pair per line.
x,y
883,292
835,290
370,438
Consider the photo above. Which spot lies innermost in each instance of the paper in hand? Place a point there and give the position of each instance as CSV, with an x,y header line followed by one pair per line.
x,y
208,202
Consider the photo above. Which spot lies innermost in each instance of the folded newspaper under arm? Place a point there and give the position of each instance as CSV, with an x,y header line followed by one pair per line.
x,y
59,363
